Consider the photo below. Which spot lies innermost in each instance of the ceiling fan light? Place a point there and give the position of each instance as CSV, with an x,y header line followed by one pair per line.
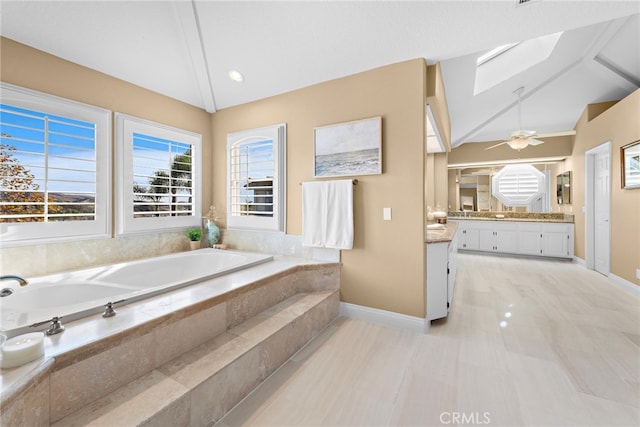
x,y
518,143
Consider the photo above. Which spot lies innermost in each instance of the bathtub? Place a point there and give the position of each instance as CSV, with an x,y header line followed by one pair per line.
x,y
78,294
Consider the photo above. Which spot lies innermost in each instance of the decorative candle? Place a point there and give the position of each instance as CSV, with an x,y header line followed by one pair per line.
x,y
22,349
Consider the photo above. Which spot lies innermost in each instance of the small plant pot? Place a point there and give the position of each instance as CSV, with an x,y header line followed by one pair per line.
x,y
194,245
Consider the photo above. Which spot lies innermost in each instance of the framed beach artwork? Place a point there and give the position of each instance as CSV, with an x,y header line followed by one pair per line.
x,y
630,165
348,149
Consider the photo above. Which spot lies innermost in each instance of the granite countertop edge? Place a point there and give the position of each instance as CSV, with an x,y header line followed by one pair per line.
x,y
441,235
461,218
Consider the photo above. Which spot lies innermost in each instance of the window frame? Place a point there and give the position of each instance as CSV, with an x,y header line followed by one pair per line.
x,y
28,233
277,133
520,176
126,224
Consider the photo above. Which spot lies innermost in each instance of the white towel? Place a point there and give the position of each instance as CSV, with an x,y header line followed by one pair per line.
x,y
327,214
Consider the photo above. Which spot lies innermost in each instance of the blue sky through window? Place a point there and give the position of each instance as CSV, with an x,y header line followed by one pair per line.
x,y
58,151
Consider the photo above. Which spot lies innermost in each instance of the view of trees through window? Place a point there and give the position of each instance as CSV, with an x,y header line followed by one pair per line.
x,y
162,177
47,167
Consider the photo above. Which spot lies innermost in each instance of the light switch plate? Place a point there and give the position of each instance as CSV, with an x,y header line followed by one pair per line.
x,y
386,214
637,273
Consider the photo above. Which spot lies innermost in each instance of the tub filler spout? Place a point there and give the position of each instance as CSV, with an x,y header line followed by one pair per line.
x,y
20,280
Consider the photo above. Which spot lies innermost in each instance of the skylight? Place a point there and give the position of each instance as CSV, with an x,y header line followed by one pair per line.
x,y
495,52
506,61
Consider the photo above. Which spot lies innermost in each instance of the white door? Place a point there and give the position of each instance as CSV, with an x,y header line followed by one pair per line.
x,y
601,209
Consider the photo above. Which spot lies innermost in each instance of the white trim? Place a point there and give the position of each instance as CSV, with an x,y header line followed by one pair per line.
x,y
617,281
625,285
125,222
23,233
589,208
278,134
385,318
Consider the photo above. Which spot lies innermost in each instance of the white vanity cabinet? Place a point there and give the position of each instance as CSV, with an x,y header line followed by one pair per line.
x,y
485,236
441,277
547,239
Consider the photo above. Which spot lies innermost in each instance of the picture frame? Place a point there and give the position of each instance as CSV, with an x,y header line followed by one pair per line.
x,y
348,149
630,165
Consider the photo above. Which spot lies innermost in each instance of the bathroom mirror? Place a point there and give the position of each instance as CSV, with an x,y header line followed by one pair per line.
x,y
563,188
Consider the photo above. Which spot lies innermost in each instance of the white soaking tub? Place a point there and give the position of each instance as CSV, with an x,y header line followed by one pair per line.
x,y
80,293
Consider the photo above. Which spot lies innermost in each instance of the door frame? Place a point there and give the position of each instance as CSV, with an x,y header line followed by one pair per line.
x,y
589,173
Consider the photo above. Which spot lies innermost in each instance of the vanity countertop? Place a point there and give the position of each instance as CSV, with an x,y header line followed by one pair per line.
x,y
438,233
511,216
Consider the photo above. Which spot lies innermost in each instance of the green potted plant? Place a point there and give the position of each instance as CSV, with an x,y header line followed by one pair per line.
x,y
194,235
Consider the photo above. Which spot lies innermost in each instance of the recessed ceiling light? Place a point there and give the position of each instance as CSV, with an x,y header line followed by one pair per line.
x,y
236,76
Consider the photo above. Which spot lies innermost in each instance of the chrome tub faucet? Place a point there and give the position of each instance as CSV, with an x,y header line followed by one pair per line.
x,y
20,280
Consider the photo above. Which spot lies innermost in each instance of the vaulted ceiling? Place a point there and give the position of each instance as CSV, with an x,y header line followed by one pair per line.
x,y
184,49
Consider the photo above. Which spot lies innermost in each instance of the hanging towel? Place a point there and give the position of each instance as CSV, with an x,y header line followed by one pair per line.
x,y
327,214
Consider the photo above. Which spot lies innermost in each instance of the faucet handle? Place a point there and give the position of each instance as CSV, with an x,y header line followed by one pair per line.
x,y
109,310
55,328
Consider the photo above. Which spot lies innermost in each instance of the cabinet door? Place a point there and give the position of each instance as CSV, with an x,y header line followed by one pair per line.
x,y
453,268
555,240
555,244
506,238
437,280
487,240
471,239
529,239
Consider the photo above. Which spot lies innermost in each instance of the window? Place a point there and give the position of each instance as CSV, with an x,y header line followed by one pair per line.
x,y
158,176
54,168
518,185
256,178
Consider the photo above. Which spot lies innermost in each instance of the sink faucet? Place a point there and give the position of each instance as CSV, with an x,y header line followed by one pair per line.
x,y
22,281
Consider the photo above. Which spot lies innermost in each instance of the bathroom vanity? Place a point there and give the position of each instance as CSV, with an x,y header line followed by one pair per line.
x,y
442,249
535,234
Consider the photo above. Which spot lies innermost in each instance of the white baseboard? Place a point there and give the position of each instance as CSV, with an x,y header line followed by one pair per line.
x,y
385,318
617,281
625,285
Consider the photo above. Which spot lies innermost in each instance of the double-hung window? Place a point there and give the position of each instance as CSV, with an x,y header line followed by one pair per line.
x,y
54,168
158,177
256,178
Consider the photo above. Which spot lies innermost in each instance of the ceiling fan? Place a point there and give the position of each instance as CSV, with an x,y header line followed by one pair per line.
x,y
520,138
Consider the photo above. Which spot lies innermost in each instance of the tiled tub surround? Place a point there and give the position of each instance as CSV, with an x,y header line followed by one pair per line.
x,y
51,258
184,357
276,243
512,216
80,293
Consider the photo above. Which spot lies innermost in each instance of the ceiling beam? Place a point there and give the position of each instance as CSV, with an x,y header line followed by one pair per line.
x,y
605,68
190,26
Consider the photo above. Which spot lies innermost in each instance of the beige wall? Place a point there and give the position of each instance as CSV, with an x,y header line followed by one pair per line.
x,y
620,124
437,99
385,269
436,181
477,151
30,68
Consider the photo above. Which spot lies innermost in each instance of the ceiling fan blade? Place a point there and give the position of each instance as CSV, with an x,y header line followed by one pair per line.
x,y
553,134
535,142
497,145
521,133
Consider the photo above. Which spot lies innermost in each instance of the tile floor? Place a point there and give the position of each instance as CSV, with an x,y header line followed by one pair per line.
x,y
527,342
